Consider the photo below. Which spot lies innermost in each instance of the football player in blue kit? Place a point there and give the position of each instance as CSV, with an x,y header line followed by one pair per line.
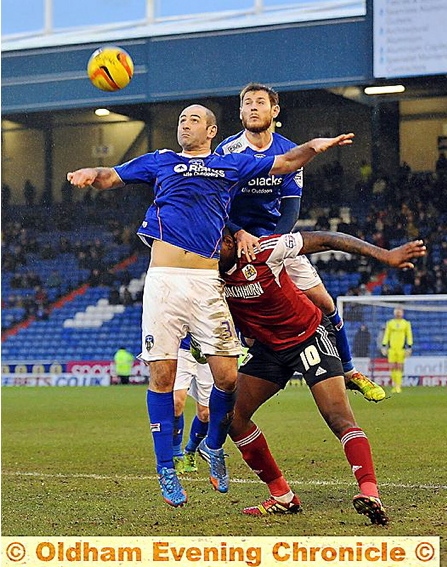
x,y
271,205
183,291
192,378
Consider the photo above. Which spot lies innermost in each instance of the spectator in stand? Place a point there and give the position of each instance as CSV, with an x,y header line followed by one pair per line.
x,y
54,280
362,341
19,254
42,312
126,297
420,286
87,199
31,279
9,262
365,173
125,277
441,166
379,189
95,278
40,295
123,365
333,265
29,193
404,172
107,278
48,252
114,297
16,282
67,192
64,245
6,195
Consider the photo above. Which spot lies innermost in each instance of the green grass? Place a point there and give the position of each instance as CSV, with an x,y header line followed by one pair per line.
x,y
78,461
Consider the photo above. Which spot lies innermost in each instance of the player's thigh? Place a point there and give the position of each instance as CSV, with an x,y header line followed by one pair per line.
x,y
252,392
211,322
186,370
165,314
224,371
317,358
396,356
202,385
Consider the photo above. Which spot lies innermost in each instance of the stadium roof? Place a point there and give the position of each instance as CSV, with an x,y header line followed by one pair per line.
x,y
209,22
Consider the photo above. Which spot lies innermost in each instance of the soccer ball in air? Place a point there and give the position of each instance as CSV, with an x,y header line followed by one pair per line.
x,y
110,68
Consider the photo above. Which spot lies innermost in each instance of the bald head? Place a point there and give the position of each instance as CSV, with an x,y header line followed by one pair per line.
x,y
197,126
202,111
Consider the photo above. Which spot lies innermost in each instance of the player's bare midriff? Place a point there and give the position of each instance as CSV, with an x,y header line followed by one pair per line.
x,y
166,255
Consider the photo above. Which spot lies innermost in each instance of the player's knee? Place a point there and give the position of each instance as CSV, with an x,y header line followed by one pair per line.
x,y
178,407
339,423
224,371
203,414
239,425
162,375
227,381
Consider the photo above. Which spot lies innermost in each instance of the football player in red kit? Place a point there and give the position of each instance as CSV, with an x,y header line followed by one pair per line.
x,y
292,334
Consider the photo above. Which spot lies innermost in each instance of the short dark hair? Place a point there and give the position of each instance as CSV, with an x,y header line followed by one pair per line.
x,y
273,95
211,119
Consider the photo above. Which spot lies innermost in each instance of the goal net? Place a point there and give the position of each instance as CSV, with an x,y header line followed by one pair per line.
x,y
365,318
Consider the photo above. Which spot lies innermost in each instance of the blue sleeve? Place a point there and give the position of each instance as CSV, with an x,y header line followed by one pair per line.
x,y
219,149
142,169
233,227
292,185
289,211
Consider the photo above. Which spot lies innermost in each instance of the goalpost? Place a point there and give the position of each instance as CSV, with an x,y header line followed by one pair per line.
x,y
365,317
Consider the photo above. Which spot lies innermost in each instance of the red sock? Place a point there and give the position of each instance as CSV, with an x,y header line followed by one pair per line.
x,y
358,452
256,453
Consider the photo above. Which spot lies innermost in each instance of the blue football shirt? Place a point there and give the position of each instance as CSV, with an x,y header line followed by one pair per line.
x,y
192,195
255,208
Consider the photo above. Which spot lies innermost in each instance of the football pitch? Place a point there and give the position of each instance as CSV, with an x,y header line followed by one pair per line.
x,y
78,461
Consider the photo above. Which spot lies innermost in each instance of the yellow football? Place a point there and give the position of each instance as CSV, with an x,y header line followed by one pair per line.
x,y
110,68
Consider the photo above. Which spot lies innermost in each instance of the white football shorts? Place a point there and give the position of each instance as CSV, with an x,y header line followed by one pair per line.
x,y
302,273
194,377
181,300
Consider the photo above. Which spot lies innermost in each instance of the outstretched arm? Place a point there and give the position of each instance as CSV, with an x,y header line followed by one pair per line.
x,y
97,177
399,257
301,155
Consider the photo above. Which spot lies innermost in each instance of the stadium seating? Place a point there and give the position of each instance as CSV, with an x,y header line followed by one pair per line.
x,y
82,323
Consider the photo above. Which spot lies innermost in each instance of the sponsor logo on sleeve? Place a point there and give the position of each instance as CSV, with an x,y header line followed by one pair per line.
x,y
289,241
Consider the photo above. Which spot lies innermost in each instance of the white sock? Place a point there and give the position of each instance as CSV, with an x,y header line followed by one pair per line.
x,y
285,498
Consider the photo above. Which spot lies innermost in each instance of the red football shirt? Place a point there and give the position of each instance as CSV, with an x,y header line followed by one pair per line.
x,y
266,305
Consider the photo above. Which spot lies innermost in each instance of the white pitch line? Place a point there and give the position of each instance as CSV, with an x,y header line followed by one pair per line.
x,y
234,480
